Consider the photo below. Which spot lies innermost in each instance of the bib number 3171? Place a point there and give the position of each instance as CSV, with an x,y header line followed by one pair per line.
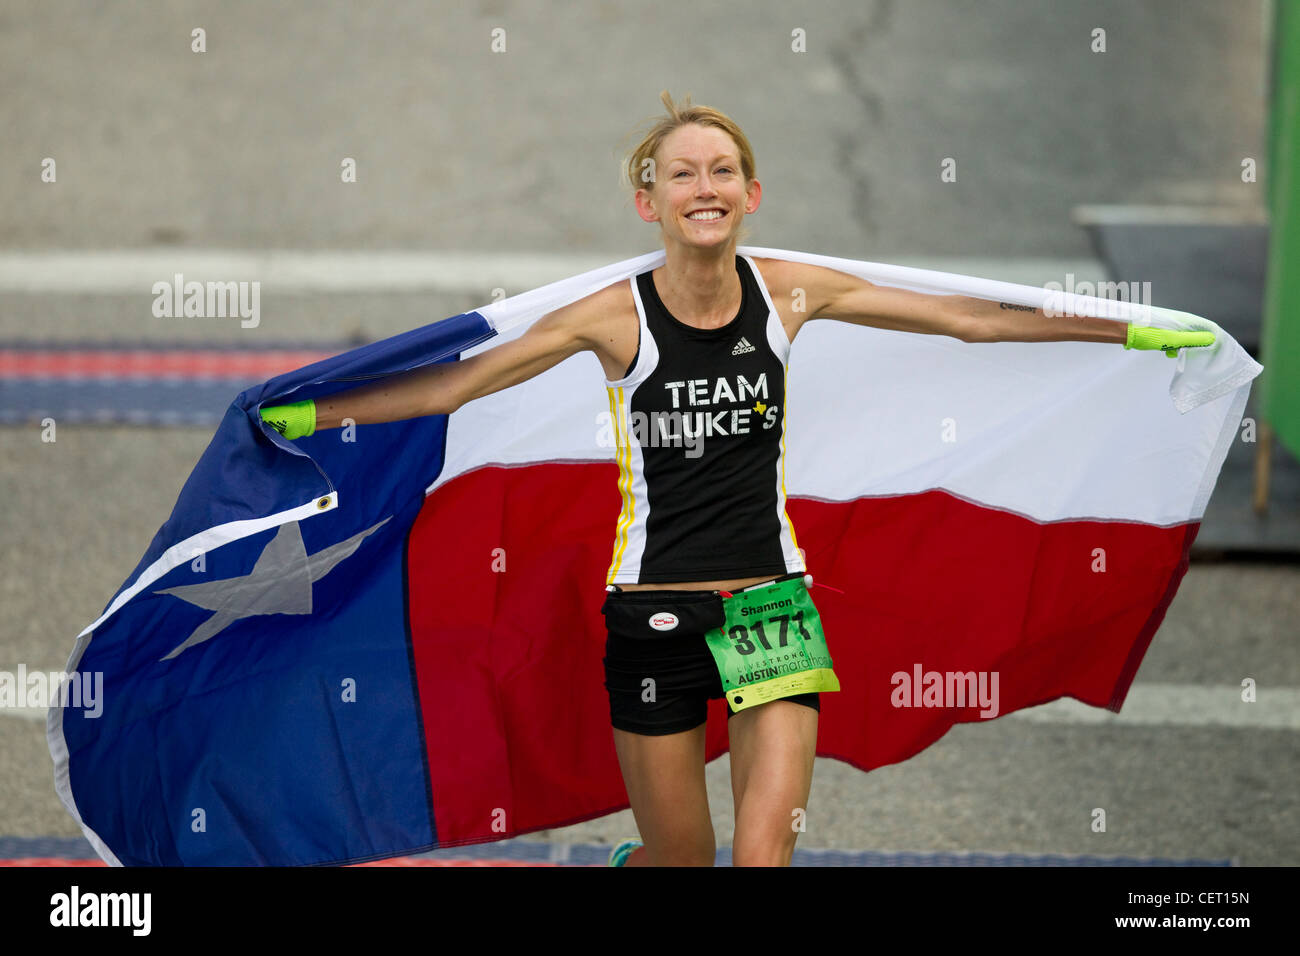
x,y
771,645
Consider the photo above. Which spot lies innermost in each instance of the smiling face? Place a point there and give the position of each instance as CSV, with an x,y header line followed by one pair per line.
x,y
699,195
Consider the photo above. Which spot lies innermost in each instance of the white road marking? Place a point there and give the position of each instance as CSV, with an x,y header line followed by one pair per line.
x,y
286,271
1180,705
131,272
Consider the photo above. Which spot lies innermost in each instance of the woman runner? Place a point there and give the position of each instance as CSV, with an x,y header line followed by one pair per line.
x,y
698,347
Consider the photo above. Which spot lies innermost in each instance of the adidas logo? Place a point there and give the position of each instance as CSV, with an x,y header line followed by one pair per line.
x,y
742,347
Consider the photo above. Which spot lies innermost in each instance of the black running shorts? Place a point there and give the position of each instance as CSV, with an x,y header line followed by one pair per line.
x,y
677,660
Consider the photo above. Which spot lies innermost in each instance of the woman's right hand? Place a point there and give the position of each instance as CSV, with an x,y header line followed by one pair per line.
x,y
296,420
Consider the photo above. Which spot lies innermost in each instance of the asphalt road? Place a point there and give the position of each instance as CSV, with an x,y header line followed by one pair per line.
x,y
459,148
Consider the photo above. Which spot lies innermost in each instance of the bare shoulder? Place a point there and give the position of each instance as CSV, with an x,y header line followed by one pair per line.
x,y
597,315
799,290
815,281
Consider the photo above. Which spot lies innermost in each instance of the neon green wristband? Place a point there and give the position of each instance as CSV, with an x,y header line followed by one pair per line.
x,y
292,421
1168,340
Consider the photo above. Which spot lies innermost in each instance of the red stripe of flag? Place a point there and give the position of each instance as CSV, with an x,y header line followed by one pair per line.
x,y
508,646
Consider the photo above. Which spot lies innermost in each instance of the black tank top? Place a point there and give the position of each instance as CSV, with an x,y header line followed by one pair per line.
x,y
699,422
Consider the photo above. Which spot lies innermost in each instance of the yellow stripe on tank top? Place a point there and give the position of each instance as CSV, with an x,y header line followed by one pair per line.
x,y
788,523
624,486
624,457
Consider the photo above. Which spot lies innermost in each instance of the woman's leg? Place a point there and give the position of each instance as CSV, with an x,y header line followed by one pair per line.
x,y
773,747
664,777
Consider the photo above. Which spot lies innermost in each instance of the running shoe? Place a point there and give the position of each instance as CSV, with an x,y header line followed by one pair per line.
x,y
618,856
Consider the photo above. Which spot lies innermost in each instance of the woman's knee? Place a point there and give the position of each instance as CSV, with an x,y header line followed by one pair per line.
x,y
664,777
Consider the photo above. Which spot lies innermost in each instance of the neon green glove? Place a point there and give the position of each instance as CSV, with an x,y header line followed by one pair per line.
x,y
1170,340
292,421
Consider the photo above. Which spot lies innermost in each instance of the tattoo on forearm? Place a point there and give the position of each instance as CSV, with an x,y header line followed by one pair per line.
x,y
1018,308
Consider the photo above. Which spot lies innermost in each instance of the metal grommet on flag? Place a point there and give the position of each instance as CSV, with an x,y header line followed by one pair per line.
x,y
324,503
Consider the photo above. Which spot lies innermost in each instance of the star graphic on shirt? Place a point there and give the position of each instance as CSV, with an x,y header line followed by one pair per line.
x,y
280,583
760,407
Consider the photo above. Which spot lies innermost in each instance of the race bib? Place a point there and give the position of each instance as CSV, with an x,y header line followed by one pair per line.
x,y
771,645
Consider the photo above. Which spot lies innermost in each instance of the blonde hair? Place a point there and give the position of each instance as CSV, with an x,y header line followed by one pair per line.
x,y
680,115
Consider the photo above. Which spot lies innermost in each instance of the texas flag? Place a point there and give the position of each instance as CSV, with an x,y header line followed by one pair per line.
x,y
384,639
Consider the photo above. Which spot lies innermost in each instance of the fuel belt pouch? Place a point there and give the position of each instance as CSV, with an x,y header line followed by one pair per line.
x,y
656,616
771,645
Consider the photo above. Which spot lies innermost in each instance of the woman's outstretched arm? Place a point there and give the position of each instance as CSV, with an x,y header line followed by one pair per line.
x,y
441,389
838,295
831,294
